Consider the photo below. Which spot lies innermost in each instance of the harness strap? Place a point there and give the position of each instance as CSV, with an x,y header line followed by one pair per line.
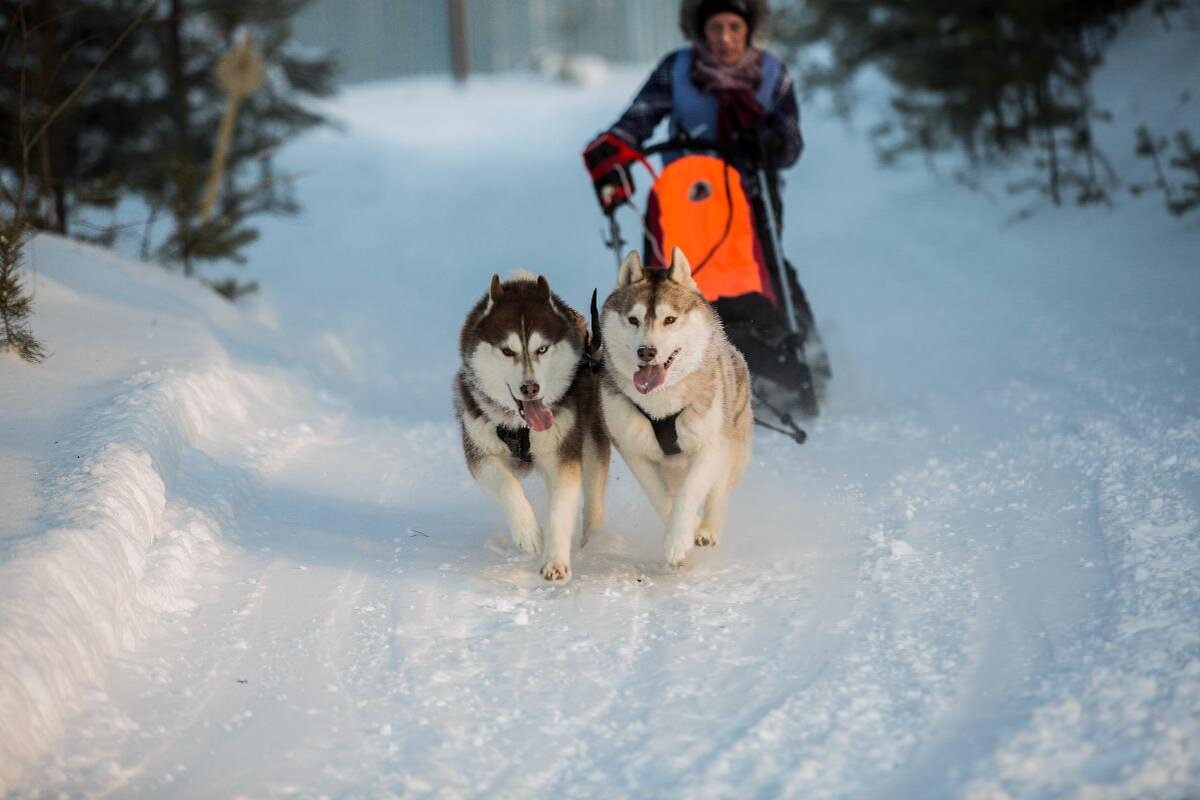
x,y
517,441
664,431
592,347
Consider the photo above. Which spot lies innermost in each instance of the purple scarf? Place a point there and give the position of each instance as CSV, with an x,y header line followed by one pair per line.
x,y
735,87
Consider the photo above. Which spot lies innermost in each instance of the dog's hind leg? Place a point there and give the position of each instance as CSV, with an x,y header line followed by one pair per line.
x,y
713,520
564,487
597,456
498,481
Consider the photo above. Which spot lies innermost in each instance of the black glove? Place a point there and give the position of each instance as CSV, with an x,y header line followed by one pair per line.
x,y
607,159
757,144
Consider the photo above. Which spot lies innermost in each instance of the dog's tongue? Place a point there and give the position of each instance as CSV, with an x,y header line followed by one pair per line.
x,y
649,378
537,416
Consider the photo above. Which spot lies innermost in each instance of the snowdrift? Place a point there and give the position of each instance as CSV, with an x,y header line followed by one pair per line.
x,y
125,528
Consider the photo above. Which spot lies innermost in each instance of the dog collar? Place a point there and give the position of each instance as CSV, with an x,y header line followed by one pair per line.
x,y
517,441
664,431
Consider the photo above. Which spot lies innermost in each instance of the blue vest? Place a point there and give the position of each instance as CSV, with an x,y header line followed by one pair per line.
x,y
696,112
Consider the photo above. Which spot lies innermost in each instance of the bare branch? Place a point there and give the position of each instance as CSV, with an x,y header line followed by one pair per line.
x,y
61,107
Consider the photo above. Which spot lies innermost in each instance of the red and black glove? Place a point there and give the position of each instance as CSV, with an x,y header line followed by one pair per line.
x,y
607,159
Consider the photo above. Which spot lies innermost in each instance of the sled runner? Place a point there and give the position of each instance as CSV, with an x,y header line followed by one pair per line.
x,y
699,204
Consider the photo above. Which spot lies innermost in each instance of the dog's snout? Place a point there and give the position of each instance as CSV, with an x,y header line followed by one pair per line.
x,y
530,389
647,354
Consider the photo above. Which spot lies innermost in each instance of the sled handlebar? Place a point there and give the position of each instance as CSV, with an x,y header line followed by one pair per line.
x,y
685,145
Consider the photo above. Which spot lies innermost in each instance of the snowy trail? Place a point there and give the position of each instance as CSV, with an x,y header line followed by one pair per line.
x,y
978,579
390,644
372,636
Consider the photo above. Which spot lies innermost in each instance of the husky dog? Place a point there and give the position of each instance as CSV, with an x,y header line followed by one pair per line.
x,y
676,399
523,401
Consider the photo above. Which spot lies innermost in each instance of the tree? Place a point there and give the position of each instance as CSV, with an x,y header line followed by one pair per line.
x,y
15,304
147,123
992,78
194,35
1181,195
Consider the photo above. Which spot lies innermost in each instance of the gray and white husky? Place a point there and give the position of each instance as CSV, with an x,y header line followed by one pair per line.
x,y
676,399
524,402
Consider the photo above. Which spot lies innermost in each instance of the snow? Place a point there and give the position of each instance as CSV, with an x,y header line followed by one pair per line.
x,y
241,555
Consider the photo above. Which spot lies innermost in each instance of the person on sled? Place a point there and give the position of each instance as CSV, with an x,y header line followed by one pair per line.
x,y
726,90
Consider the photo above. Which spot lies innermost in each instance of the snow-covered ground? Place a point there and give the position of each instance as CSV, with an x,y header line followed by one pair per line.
x,y
240,554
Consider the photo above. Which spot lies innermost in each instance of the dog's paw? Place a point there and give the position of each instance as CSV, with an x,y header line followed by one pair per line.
x,y
528,536
556,571
706,537
676,549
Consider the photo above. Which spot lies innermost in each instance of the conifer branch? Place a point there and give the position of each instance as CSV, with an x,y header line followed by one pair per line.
x,y
15,304
112,48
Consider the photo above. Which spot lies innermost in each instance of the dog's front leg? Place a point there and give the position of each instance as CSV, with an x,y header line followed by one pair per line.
x,y
702,473
564,485
650,477
498,481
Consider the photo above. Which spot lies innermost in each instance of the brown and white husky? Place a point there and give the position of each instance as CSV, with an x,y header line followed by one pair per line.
x,y
675,398
524,403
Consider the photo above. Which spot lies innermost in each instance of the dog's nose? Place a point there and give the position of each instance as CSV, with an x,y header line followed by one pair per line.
x,y
647,354
529,389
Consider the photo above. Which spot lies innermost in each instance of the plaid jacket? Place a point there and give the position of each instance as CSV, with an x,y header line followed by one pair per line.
x,y
654,101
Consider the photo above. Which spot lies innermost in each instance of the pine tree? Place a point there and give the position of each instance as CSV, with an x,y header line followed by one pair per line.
x,y
125,96
71,95
15,304
994,79
194,34
1181,195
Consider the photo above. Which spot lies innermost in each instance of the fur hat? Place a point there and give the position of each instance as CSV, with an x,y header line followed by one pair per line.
x,y
694,13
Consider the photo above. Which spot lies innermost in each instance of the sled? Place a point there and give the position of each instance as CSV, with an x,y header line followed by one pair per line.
x,y
698,203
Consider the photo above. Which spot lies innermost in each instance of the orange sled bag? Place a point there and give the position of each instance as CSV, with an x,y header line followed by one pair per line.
x,y
698,204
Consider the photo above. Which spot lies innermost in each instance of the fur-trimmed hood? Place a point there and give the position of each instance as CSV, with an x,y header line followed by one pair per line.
x,y
687,19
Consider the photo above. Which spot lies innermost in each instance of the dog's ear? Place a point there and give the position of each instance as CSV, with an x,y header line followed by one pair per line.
x,y
631,270
681,270
495,291
545,295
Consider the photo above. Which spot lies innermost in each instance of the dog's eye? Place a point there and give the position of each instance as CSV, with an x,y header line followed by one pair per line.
x,y
507,351
541,351
633,321
669,321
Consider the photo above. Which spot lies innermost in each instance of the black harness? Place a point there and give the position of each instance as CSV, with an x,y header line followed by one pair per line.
x,y
664,429
517,441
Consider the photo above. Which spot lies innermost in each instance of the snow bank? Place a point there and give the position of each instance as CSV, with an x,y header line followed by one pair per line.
x,y
119,556
126,522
